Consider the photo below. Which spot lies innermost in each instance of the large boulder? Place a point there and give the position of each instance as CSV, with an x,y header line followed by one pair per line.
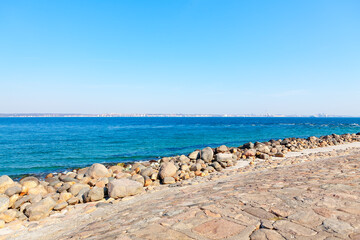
x,y
167,169
41,209
118,188
207,154
5,183
98,170
4,202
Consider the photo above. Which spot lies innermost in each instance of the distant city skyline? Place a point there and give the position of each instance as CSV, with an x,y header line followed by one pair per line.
x,y
188,57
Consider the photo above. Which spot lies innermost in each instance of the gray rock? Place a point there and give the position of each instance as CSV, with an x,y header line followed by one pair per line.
x,y
95,194
217,166
73,201
195,167
184,159
41,209
5,183
224,157
138,178
264,234
118,188
13,190
147,172
77,187
337,226
98,170
168,180
249,145
207,154
60,206
167,170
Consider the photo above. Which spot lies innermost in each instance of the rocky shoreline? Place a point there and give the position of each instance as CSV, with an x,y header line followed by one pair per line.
x,y
32,199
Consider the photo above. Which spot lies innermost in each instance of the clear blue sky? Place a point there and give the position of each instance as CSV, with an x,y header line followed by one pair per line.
x,y
180,56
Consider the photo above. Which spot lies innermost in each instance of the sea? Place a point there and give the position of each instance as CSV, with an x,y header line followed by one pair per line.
x,y
43,145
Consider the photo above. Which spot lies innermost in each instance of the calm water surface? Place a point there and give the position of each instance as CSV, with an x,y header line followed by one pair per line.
x,y
38,145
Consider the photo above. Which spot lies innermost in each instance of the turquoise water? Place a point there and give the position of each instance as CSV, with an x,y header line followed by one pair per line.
x,y
40,145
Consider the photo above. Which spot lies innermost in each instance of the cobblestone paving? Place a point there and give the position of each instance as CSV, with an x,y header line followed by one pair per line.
x,y
319,199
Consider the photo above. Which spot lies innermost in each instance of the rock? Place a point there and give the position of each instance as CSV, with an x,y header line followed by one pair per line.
x,y
41,209
279,155
249,145
13,199
5,183
147,172
21,201
266,234
138,178
116,169
194,155
77,187
195,167
73,201
222,149
65,196
34,198
169,180
95,194
29,182
122,175
167,170
249,153
260,213
64,187
8,215
60,206
38,190
223,157
184,159
306,218
337,226
4,202
264,156
293,228
2,223
118,188
207,154
97,170
13,190
217,166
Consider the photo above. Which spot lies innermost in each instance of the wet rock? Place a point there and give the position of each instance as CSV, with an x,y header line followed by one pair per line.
x,y
5,183
97,170
167,170
207,154
124,187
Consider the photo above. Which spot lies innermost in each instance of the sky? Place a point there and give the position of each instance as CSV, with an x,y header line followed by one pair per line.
x,y
180,56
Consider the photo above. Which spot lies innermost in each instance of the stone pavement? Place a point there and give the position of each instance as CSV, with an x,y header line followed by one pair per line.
x,y
317,199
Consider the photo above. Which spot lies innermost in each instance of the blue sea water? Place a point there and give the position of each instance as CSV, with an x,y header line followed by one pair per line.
x,y
40,145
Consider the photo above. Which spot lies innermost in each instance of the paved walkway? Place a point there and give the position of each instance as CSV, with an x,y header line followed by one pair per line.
x,y
310,200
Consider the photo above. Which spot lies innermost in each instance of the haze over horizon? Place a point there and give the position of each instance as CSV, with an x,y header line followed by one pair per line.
x,y
190,57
